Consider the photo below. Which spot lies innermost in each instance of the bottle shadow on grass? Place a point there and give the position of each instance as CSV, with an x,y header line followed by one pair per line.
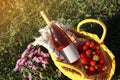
x,y
112,40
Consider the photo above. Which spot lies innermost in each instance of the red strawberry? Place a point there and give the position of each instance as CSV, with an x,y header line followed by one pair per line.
x,y
82,55
92,45
97,47
98,51
87,43
101,61
104,68
101,56
85,47
92,69
84,61
88,52
98,66
92,63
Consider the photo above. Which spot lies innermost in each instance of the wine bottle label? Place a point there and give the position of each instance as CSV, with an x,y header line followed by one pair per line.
x,y
70,53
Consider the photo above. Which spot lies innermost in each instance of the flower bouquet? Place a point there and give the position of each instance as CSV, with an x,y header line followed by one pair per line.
x,y
35,64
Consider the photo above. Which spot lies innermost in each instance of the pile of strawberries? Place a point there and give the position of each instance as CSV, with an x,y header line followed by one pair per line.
x,y
92,58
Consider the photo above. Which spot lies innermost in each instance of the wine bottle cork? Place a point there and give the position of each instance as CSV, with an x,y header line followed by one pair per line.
x,y
45,16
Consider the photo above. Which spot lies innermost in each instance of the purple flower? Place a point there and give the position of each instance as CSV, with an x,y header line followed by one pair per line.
x,y
22,61
36,51
19,64
24,75
29,46
18,61
18,67
29,64
39,51
45,54
36,59
32,52
28,57
40,58
44,61
40,75
34,67
30,76
24,53
42,54
58,72
44,66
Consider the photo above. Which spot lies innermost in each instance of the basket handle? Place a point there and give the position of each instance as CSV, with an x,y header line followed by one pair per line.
x,y
94,21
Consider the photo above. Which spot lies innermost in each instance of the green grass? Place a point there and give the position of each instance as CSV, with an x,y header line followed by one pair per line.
x,y
20,21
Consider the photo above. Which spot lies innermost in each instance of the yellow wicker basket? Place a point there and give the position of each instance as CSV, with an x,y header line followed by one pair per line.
x,y
76,73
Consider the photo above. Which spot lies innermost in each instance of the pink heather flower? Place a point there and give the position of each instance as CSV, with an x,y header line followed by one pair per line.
x,y
40,58
37,59
42,54
45,54
18,61
44,66
22,61
24,53
36,51
40,75
31,53
30,76
44,61
29,46
29,64
24,75
34,67
58,72
39,51
16,68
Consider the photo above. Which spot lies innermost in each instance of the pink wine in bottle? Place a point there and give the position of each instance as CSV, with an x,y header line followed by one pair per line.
x,y
63,44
